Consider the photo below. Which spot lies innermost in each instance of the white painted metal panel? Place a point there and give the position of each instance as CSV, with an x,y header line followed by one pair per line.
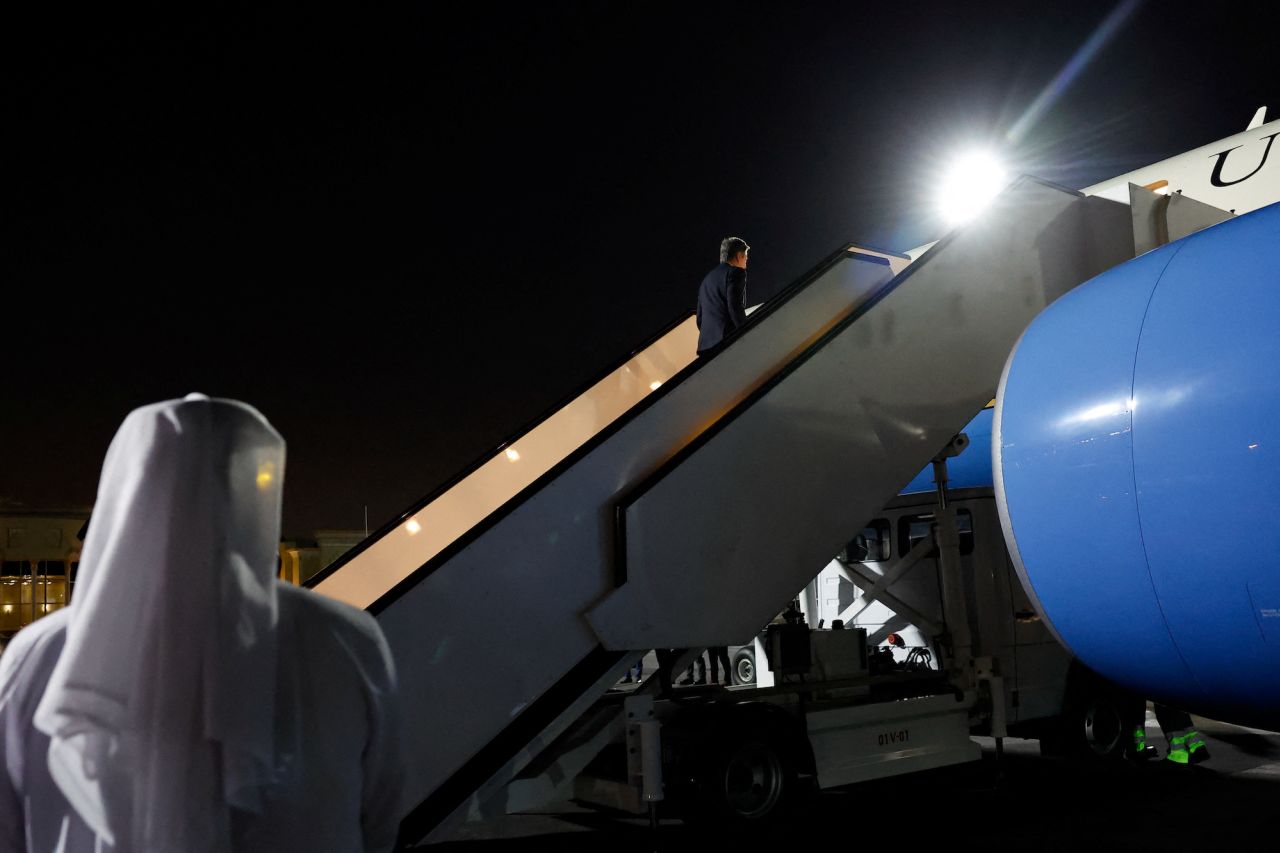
x,y
1245,165
863,742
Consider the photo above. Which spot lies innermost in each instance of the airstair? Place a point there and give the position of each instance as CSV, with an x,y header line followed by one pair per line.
x,y
680,502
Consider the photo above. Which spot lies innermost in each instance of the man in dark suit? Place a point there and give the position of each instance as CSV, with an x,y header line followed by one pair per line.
x,y
721,309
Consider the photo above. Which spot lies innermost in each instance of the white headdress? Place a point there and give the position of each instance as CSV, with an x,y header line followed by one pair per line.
x,y
160,708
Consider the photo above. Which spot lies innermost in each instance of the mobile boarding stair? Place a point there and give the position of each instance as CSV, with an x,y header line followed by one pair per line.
x,y
678,503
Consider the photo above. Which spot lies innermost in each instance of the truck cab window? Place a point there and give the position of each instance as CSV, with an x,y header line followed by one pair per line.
x,y
872,544
913,528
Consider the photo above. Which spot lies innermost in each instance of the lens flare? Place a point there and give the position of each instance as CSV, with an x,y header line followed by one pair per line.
x,y
973,180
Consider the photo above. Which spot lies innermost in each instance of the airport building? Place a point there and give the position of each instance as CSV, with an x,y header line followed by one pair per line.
x,y
40,557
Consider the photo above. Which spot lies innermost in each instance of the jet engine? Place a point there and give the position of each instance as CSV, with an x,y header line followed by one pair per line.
x,y
1136,454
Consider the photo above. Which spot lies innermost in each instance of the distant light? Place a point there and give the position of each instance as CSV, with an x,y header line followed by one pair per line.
x,y
513,454
413,526
969,185
1253,447
654,386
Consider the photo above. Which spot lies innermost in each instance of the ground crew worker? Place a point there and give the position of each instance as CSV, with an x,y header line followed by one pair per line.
x,y
1186,745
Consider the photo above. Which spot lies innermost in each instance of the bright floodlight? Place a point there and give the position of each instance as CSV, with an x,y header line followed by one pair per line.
x,y
969,185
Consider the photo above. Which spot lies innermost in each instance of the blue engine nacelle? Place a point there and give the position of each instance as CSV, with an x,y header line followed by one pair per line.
x,y
1136,450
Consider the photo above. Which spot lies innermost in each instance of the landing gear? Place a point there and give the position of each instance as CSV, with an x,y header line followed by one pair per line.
x,y
1104,728
1094,724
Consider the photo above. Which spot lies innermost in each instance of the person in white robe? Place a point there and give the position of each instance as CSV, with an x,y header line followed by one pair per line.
x,y
186,699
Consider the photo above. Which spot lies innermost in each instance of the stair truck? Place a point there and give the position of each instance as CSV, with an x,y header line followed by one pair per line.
x,y
915,638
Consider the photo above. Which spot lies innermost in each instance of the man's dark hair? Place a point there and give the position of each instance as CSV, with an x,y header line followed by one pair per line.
x,y
731,246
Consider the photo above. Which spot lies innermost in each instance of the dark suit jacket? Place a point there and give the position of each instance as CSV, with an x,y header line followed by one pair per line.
x,y
720,305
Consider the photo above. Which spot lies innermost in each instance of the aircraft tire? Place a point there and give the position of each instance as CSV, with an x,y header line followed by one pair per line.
x,y
1092,726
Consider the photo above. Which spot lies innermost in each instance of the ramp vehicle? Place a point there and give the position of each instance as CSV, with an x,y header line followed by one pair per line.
x,y
916,637
677,505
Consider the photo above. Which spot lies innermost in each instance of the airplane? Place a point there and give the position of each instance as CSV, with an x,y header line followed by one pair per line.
x,y
1135,438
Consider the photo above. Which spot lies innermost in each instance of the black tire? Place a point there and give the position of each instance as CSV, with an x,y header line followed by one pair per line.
x,y
747,782
1094,725
744,666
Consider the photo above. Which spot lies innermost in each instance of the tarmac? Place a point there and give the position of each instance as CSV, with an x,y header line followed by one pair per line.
x,y
1022,802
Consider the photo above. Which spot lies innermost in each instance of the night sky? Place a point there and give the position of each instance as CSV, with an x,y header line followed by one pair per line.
x,y
404,232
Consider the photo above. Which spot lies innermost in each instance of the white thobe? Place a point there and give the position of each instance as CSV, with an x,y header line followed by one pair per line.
x,y
339,780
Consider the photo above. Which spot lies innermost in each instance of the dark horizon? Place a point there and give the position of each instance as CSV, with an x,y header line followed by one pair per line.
x,y
404,234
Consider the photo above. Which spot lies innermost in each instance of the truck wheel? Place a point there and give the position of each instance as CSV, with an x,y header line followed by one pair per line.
x,y
744,666
745,784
